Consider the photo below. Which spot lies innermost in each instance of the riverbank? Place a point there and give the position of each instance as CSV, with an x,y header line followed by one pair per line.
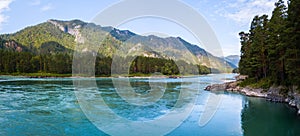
x,y
36,75
273,94
51,75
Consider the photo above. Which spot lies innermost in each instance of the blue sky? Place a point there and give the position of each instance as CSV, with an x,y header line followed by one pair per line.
x,y
226,17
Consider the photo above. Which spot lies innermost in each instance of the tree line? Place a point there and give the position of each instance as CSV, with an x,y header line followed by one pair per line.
x,y
61,63
271,49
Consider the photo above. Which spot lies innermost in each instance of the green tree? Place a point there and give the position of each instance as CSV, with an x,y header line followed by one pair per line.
x,y
276,43
293,42
254,51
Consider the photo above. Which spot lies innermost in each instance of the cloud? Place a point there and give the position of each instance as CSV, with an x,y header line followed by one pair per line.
x,y
35,3
243,11
4,6
47,7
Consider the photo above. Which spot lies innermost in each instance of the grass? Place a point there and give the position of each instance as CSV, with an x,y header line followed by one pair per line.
x,y
264,83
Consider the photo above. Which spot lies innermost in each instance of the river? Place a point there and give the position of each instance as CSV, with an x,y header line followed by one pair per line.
x,y
137,106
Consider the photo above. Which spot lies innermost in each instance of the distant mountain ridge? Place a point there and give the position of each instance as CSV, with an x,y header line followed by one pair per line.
x,y
63,36
234,59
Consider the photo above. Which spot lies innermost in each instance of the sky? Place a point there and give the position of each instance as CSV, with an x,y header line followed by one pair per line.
x,y
226,17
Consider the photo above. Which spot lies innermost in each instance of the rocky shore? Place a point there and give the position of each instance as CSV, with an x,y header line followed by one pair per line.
x,y
273,94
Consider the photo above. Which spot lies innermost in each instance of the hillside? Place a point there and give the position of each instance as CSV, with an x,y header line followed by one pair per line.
x,y
233,59
63,36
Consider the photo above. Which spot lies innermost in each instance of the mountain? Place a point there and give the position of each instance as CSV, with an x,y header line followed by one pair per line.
x,y
75,35
233,59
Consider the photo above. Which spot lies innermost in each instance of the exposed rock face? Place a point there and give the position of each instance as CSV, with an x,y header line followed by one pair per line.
x,y
13,46
272,94
72,29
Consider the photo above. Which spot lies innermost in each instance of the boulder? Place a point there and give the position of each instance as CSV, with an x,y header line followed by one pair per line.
x,y
229,86
292,103
274,94
241,77
216,87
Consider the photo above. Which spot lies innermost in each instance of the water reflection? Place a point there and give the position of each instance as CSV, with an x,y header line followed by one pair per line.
x,y
260,117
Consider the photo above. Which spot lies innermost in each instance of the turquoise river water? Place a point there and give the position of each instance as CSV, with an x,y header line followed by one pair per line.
x,y
55,106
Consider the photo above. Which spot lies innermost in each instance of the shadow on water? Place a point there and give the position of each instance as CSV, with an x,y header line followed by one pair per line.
x,y
261,117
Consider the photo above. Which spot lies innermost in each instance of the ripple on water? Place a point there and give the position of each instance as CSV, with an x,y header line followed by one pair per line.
x,y
50,107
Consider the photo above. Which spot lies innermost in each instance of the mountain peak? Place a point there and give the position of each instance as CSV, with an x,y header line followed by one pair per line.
x,y
73,22
66,25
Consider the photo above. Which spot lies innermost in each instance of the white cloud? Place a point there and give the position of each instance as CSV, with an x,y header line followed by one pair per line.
x,y
4,5
47,7
242,11
35,3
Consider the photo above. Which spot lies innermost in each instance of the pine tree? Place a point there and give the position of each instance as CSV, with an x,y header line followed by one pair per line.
x,y
272,47
293,42
244,65
276,45
253,52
